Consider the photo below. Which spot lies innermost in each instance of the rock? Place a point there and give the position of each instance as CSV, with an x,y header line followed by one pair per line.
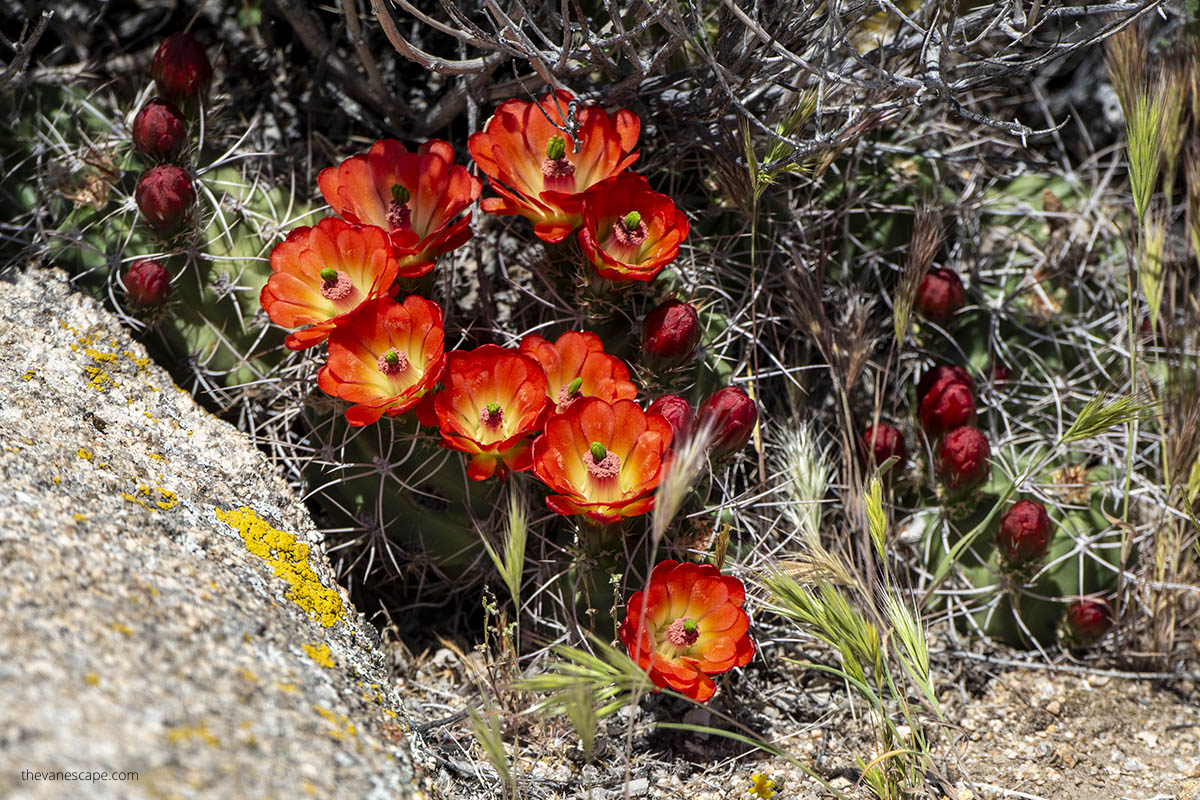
x,y
167,608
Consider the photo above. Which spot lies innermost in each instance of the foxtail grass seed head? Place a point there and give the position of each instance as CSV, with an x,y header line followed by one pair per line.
x,y
159,131
670,334
940,295
732,415
1023,535
963,458
165,196
147,283
1088,619
181,68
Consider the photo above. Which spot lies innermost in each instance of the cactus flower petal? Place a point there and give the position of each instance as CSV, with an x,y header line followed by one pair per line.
x,y
619,251
298,295
418,198
385,357
494,399
686,626
541,175
635,448
576,366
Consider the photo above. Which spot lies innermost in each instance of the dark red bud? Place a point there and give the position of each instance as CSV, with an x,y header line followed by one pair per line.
x,y
165,196
159,131
1000,373
670,333
677,412
962,459
947,400
883,441
1089,618
940,294
731,414
181,68
1023,535
147,283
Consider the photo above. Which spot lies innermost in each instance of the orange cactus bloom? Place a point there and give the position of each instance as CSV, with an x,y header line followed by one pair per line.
x,y
415,197
686,626
603,459
385,357
493,400
576,366
541,172
322,273
630,232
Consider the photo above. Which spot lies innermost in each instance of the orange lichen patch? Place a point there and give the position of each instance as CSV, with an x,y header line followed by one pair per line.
x,y
28,376
83,453
286,687
247,674
98,379
341,726
321,655
121,627
80,518
288,559
91,679
185,733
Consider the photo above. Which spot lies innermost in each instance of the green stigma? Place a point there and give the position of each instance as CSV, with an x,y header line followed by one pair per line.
x,y
400,194
598,452
689,625
391,357
632,220
556,148
574,386
329,275
493,408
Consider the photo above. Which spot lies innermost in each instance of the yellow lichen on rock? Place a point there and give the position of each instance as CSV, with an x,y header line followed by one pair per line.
x,y
321,655
288,558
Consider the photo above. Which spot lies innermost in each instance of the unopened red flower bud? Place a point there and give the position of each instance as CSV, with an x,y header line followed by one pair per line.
x,y
159,131
963,458
147,283
1089,618
165,196
947,400
883,441
181,68
731,414
670,334
677,412
940,294
1023,535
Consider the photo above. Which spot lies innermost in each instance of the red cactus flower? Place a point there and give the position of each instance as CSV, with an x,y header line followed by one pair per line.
x,y
147,283
539,170
630,232
940,294
686,626
731,414
576,366
323,273
165,196
883,441
385,357
181,68
947,400
493,400
159,131
677,412
963,458
415,197
670,334
1023,534
603,459
1089,618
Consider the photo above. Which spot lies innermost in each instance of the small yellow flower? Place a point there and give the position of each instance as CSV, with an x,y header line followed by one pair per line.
x,y
762,787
